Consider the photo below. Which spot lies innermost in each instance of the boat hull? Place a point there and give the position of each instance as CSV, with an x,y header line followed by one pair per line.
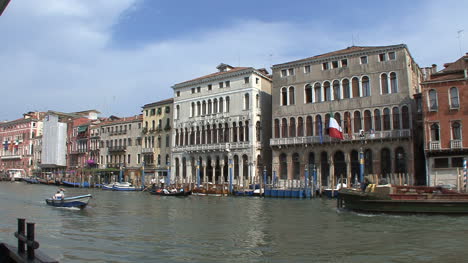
x,y
365,202
185,193
75,201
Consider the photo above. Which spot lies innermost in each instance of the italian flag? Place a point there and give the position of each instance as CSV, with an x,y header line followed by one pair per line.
x,y
335,130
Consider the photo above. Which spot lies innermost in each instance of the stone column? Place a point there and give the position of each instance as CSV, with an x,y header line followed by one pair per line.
x,y
189,170
213,177
221,179
241,172
181,171
204,172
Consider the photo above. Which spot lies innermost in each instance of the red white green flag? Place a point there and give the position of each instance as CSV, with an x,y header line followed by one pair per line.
x,y
335,130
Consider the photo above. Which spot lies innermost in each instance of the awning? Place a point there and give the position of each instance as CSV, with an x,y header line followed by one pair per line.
x,y
82,128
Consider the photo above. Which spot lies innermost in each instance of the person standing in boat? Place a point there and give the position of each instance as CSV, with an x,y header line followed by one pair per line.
x,y
365,184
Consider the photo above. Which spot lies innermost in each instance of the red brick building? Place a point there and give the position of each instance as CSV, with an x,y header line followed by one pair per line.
x,y
445,115
17,138
78,134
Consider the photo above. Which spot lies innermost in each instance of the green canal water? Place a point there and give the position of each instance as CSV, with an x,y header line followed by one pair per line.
x,y
139,227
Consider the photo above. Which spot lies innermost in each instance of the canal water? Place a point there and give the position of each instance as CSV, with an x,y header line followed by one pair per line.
x,y
139,227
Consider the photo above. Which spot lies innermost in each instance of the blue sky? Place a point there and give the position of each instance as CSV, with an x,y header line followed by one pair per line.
x,y
117,55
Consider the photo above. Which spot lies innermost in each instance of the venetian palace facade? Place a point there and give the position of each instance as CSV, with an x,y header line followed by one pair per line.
x,y
220,119
17,138
445,115
368,90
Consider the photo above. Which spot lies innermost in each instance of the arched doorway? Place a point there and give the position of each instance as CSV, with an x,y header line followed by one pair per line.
x,y
324,167
283,169
400,160
340,164
296,166
368,163
385,161
355,169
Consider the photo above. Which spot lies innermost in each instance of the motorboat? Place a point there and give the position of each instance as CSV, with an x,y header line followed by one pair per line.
x,y
80,201
166,192
123,186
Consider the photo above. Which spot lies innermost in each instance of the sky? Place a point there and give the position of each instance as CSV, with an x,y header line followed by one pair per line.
x,y
117,55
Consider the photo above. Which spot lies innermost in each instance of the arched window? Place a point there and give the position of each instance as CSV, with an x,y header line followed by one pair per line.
x,y
153,124
377,121
318,125
177,111
308,93
384,83
292,127
454,101
337,117
386,119
204,108
192,112
327,88
367,120
284,128
346,92
396,118
405,117
336,90
300,127
296,166
433,105
393,82
357,121
277,128
258,131
456,131
246,101
435,132
198,108
284,97
318,92
292,97
309,126
327,123
215,106
221,105
210,107
228,104
257,101
355,86
347,123
366,89
283,166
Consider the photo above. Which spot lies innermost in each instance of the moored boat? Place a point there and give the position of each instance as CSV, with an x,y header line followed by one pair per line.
x,y
404,200
180,192
80,201
123,186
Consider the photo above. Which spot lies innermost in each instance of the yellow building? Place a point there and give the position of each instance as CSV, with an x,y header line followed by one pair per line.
x,y
156,137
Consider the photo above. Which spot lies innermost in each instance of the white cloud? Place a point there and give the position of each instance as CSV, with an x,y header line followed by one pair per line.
x,y
58,54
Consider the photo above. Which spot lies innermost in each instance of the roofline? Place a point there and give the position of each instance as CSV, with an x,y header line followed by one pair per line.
x,y
157,103
222,76
443,80
314,59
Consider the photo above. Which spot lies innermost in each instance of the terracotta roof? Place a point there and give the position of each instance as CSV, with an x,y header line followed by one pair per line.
x,y
235,69
348,50
161,102
123,120
451,71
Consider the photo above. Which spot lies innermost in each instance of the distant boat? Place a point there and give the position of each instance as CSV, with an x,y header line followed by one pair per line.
x,y
180,192
72,184
80,201
123,186
31,180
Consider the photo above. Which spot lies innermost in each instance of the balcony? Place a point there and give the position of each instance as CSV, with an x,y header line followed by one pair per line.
x,y
117,148
379,135
434,146
78,151
456,144
219,147
122,132
11,157
147,150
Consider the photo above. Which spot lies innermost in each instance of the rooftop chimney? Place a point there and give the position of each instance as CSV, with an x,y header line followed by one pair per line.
x,y
224,67
434,68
